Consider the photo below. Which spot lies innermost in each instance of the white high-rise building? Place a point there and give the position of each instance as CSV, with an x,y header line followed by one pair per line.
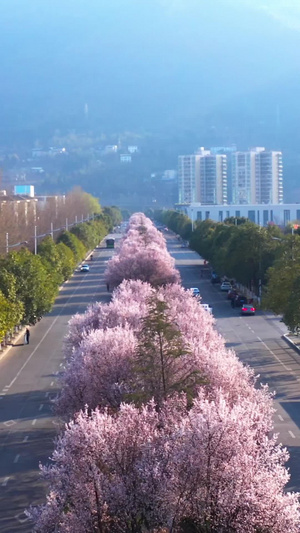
x,y
213,179
256,177
188,172
202,177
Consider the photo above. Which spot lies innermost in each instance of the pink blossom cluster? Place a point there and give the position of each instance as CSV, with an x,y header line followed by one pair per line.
x,y
142,255
202,460
176,470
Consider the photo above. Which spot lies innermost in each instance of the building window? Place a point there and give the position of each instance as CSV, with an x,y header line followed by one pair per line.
x,y
220,216
265,217
258,217
298,214
237,213
207,213
251,216
271,215
227,214
286,216
199,215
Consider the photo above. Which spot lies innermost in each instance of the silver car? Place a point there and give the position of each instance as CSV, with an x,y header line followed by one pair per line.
x,y
248,309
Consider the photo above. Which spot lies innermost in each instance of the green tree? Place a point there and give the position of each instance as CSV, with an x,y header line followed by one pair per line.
x,y
77,247
47,250
67,260
35,287
160,367
283,279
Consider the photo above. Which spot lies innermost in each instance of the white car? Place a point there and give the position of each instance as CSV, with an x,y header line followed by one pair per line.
x,y
196,291
226,286
207,307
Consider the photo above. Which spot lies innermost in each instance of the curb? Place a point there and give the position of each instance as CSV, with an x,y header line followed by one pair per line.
x,y
290,342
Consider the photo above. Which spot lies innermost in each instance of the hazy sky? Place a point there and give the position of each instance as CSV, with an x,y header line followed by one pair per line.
x,y
138,62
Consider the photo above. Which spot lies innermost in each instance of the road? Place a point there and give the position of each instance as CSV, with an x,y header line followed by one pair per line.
x,y
258,342
28,382
28,379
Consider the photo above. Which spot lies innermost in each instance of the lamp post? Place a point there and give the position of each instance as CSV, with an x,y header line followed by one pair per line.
x,y
8,246
35,240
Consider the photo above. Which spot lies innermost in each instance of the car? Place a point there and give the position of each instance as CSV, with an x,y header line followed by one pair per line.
x,y
215,278
196,291
240,300
232,294
248,309
207,307
226,286
85,268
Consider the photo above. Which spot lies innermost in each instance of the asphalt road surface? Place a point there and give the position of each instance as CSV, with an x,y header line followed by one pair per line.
x,y
258,342
28,382
28,379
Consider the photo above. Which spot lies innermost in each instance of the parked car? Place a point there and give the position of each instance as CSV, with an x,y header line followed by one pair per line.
x,y
226,286
232,294
196,291
248,309
85,268
215,278
240,300
207,307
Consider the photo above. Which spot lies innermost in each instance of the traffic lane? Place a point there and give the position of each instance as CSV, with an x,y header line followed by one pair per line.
x,y
259,351
26,407
74,297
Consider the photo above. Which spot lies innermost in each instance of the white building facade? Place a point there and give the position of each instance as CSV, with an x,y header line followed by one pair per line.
x,y
202,177
263,214
256,177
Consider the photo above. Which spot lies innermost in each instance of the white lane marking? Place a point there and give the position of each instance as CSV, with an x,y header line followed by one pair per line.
x,y
44,336
33,422
292,434
26,438
9,422
280,418
2,393
52,383
21,518
16,459
274,354
60,364
5,481
41,406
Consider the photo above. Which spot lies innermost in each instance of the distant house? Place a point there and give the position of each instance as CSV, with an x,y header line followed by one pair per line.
x,y
169,175
132,149
125,158
24,190
37,170
56,151
36,153
111,149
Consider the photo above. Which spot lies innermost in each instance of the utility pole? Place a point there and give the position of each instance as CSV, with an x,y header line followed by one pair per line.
x,y
51,230
6,242
35,240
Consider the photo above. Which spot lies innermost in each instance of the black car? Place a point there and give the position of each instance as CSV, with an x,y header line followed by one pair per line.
x,y
240,300
215,278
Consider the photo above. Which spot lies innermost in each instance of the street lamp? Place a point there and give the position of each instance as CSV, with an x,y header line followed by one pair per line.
x,y
8,246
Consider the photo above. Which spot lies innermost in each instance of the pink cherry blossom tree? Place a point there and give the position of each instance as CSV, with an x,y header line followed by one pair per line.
x,y
98,372
142,255
212,468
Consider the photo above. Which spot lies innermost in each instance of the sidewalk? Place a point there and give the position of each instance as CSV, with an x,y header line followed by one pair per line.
x,y
292,340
